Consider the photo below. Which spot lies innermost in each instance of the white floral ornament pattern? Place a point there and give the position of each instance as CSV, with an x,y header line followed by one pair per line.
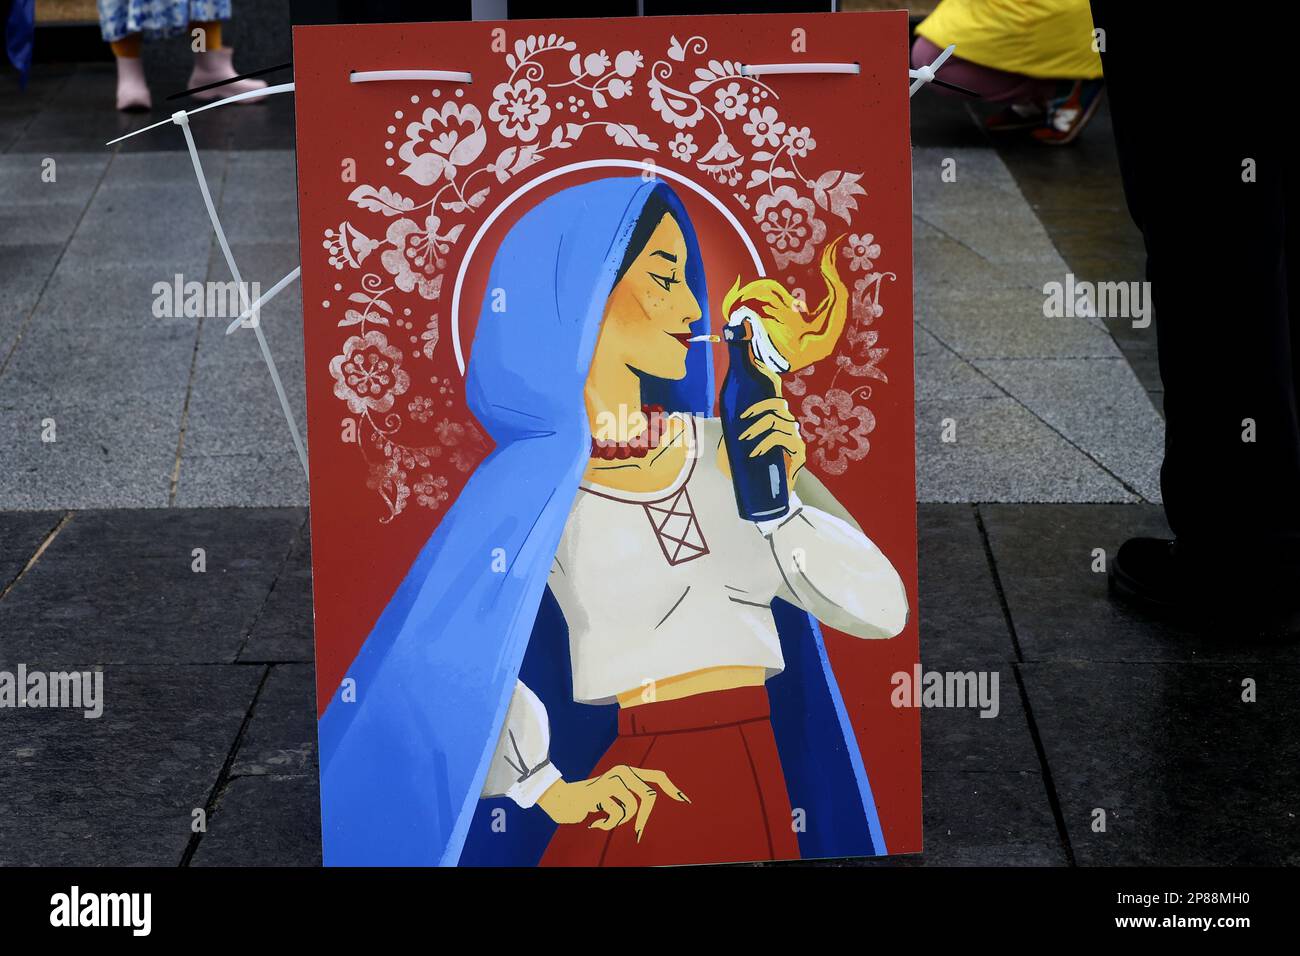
x,y
723,124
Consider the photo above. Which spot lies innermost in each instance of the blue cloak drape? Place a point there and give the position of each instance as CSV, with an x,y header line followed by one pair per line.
x,y
402,765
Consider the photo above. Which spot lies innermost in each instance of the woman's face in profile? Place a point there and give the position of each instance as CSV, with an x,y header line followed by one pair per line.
x,y
650,311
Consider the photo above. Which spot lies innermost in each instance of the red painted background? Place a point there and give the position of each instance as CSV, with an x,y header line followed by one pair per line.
x,y
859,122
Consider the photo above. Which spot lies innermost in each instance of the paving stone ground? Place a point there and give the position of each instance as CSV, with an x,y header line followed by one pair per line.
x,y
169,438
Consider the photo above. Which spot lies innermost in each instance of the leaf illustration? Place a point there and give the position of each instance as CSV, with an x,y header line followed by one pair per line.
x,y
628,135
382,200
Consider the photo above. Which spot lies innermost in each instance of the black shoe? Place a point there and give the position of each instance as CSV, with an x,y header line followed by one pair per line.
x,y
1206,590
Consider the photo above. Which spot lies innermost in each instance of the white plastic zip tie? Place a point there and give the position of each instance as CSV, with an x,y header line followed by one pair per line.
x,y
269,91
253,312
925,74
771,69
181,119
382,76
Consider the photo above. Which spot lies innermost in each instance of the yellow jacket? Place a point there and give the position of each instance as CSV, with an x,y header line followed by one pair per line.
x,y
1040,38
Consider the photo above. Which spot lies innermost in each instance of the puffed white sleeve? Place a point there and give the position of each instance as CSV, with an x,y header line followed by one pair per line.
x,y
835,572
521,768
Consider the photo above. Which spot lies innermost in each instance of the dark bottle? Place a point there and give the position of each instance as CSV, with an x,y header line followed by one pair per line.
x,y
762,491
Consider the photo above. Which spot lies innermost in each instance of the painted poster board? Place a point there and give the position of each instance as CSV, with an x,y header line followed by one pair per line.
x,y
536,595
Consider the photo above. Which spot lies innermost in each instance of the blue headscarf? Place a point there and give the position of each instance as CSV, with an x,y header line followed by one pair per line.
x,y
402,765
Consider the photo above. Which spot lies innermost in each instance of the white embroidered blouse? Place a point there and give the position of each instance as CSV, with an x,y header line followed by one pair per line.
x,y
660,584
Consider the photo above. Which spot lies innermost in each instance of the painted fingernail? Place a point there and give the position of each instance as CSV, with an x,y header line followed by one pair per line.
x,y
683,796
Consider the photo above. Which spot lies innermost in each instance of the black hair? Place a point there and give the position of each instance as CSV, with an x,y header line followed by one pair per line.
x,y
656,207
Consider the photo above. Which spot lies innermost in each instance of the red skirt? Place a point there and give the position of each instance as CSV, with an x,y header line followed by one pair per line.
x,y
719,750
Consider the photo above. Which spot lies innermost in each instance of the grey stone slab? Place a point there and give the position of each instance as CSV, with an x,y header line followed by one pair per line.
x,y
281,737
174,247
119,587
1002,453
264,821
983,208
961,615
923,230
944,262
1061,608
132,225
278,167
1187,773
120,789
91,128
233,405
1007,323
90,86
21,535
119,454
13,123
262,260
164,173
942,374
250,479
962,739
1099,405
24,270
24,178
24,223
109,367
283,630
988,819
113,296
263,219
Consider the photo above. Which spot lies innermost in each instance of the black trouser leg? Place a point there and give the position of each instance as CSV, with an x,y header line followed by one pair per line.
x,y
1223,263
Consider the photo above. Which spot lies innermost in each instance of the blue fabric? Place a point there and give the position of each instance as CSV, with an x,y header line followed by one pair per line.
x,y
119,19
402,767
20,27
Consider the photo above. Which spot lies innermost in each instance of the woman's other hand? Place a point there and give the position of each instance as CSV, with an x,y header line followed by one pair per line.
x,y
624,794
772,419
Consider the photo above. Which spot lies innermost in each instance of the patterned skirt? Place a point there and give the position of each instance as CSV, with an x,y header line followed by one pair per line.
x,y
119,19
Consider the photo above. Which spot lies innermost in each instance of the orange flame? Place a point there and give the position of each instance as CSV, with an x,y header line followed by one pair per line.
x,y
801,337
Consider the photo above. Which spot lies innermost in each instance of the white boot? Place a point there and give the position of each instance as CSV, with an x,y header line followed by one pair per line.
x,y
132,91
215,66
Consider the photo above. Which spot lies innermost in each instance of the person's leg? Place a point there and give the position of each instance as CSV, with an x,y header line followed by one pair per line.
x,y
996,86
215,63
132,90
1218,221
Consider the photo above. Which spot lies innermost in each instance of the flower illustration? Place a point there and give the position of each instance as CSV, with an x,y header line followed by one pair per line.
x,y
763,127
347,246
731,102
836,429
368,375
627,62
430,491
722,162
618,88
683,147
861,249
866,298
677,108
442,142
430,337
519,109
798,141
449,432
421,408
417,256
595,63
789,223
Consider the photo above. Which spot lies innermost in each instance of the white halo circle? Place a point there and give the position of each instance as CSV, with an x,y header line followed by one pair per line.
x,y
574,167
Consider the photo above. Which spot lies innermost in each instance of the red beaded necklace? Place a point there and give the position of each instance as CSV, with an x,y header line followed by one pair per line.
x,y
639,445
